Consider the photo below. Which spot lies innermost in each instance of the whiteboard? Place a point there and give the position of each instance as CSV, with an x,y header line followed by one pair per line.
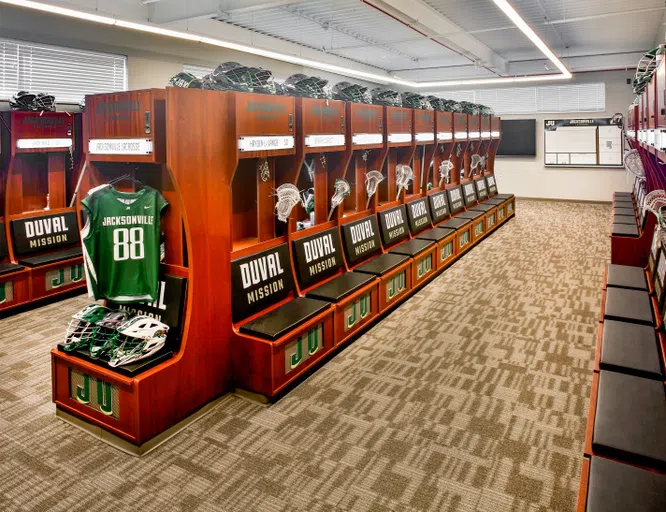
x,y
582,143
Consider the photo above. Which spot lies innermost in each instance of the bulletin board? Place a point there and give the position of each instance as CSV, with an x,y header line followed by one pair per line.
x,y
582,143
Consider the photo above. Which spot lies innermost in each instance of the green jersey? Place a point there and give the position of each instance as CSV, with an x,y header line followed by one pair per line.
x,y
121,243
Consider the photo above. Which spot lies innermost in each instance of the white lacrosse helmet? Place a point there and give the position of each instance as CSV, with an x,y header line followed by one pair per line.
x,y
83,327
140,337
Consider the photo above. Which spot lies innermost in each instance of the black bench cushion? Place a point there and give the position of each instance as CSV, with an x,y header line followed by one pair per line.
x,y
623,203
624,230
630,417
280,321
617,487
470,214
485,207
624,219
494,201
628,305
413,247
623,194
504,196
623,211
54,257
435,234
454,223
340,287
625,276
630,348
8,268
382,264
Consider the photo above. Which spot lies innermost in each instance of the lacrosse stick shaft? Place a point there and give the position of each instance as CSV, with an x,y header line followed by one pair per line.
x,y
78,184
422,166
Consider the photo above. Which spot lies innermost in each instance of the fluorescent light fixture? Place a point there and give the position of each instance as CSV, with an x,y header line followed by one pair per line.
x,y
341,70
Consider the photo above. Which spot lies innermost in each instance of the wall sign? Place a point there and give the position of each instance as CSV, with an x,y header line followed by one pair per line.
x,y
393,225
425,137
444,136
317,257
361,139
43,143
470,193
439,206
94,393
361,239
455,200
259,281
323,141
418,216
481,190
583,143
120,146
266,143
33,234
399,137
168,308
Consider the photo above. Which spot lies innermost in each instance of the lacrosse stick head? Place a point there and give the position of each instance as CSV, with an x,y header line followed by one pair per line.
x,y
341,189
403,176
372,181
308,200
288,196
654,202
633,163
476,161
445,171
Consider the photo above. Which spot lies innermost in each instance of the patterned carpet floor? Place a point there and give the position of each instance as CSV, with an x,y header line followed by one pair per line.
x,y
471,396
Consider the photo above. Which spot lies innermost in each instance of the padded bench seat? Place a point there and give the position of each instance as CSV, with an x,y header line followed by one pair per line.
x,y
435,234
340,287
630,348
628,195
617,487
8,268
54,257
494,201
621,203
454,223
280,321
382,264
504,196
413,247
624,219
628,305
626,276
471,215
625,230
485,207
630,418
623,211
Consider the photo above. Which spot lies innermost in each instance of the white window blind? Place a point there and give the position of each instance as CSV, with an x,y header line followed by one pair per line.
x,y
67,73
537,100
198,71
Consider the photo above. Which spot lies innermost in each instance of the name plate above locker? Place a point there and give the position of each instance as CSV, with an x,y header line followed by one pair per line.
x,y
425,137
43,143
393,225
399,137
324,141
317,257
259,281
266,143
445,136
418,216
474,135
362,139
495,135
439,207
361,239
45,232
120,146
461,135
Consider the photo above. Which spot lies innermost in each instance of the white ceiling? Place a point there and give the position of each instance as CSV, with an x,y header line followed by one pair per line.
x,y
417,39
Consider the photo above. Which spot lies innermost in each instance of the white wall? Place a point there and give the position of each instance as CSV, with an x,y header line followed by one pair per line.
x,y
529,177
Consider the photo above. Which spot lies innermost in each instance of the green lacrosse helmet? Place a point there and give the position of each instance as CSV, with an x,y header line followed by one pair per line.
x,y
83,327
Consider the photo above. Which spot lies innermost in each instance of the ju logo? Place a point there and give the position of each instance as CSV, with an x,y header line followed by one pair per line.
x,y
396,285
304,347
94,393
357,311
501,213
478,229
464,239
510,207
491,220
423,267
64,276
447,251
6,292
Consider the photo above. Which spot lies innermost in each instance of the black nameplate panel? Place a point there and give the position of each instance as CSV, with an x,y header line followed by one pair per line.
x,y
259,281
481,190
469,193
317,257
418,216
492,186
361,239
44,233
439,207
455,200
168,308
393,225
3,242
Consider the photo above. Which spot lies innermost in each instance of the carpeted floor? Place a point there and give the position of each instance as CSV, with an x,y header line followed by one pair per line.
x,y
473,395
